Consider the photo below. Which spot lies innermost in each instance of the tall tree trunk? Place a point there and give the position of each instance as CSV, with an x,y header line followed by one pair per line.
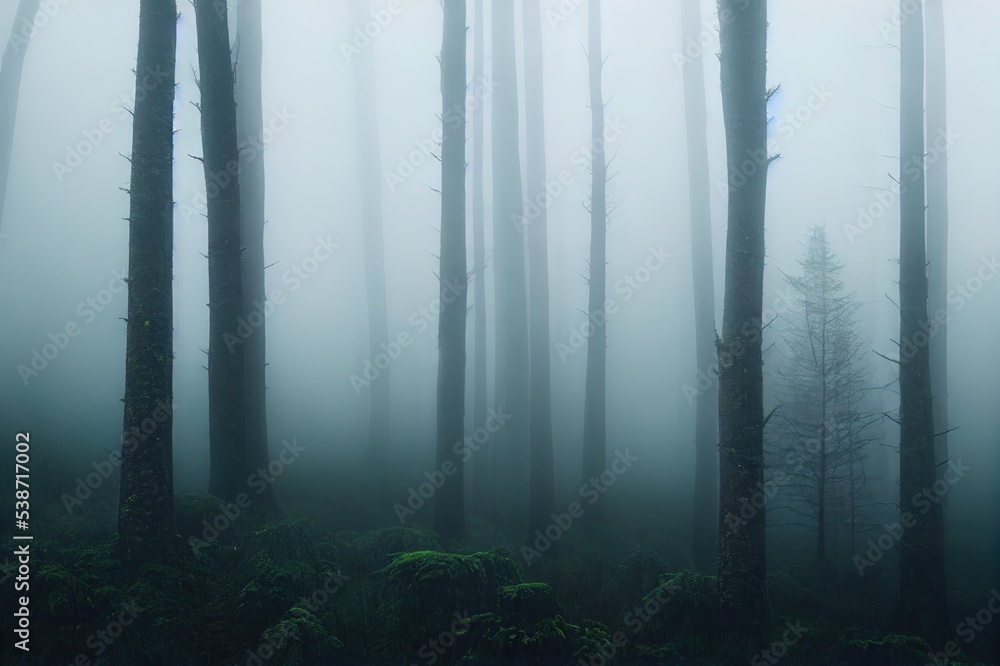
x,y
594,405
541,499
10,87
481,468
449,504
705,518
250,131
937,223
370,165
230,460
921,607
511,365
146,500
742,582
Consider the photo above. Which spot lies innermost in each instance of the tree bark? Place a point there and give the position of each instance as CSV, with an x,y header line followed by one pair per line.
x,y
230,461
937,223
250,132
541,497
512,372
146,500
10,88
449,504
482,469
921,606
742,582
705,518
594,406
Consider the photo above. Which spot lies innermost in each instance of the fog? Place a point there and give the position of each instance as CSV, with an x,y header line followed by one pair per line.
x,y
834,122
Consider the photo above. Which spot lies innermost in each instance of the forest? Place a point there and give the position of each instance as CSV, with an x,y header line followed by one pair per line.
x,y
529,332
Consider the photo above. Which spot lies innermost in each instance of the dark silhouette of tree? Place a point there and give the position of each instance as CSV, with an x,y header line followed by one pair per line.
x,y
250,132
594,404
541,499
146,500
10,88
705,531
742,584
511,365
483,471
922,605
937,223
449,504
229,459
371,218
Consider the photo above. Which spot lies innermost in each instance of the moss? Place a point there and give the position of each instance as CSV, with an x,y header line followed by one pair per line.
x,y
376,549
528,602
891,650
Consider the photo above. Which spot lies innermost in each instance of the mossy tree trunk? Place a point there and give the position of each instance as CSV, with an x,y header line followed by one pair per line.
x,y
230,461
449,505
482,467
922,605
512,347
250,132
10,88
369,164
705,515
146,501
742,588
541,492
594,401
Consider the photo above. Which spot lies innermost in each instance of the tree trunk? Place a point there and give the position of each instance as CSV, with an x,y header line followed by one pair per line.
x,y
371,213
742,583
146,500
449,504
705,517
921,607
512,377
937,223
230,461
250,131
482,470
10,87
541,499
594,405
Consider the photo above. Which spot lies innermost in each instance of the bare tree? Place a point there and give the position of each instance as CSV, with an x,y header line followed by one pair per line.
x,y
146,500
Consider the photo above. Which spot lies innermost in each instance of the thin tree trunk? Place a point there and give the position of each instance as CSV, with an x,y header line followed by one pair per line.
x,y
512,376
230,460
594,417
481,468
705,518
937,223
742,582
10,87
921,607
449,504
250,131
541,500
146,500
371,212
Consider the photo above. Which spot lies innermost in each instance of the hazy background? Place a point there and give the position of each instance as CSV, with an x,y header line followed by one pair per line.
x,y
65,236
